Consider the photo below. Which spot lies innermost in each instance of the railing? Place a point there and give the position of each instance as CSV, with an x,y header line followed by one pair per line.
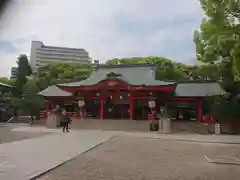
x,y
72,114
149,117
208,120
43,115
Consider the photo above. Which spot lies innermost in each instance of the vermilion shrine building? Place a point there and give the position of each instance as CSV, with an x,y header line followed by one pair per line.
x,y
123,91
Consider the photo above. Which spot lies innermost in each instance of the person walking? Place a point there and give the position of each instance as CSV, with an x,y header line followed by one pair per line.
x,y
66,120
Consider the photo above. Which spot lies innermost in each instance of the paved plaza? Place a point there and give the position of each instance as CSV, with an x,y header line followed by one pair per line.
x,y
117,155
137,158
7,135
21,160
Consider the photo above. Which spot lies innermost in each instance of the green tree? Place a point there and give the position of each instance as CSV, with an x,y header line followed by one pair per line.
x,y
218,40
5,93
24,70
203,72
165,68
61,73
31,102
6,80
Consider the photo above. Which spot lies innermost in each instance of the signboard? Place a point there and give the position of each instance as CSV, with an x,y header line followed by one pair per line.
x,y
112,83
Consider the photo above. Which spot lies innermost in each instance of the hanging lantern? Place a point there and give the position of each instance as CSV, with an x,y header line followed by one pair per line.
x,y
151,104
129,94
81,103
111,97
97,94
121,97
150,93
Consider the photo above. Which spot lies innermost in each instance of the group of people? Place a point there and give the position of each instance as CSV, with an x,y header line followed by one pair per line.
x,y
64,118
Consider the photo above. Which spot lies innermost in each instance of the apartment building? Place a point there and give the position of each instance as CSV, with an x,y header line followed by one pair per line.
x,y
42,55
14,72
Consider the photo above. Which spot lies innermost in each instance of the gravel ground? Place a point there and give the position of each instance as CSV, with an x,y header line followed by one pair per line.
x,y
132,158
6,135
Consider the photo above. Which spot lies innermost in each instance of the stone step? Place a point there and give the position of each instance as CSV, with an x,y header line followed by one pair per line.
x,y
20,119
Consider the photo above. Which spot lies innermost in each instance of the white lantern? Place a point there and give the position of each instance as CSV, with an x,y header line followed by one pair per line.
x,y
97,94
111,97
121,97
81,103
151,104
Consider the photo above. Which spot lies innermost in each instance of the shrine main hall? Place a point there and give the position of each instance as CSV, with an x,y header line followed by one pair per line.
x,y
124,92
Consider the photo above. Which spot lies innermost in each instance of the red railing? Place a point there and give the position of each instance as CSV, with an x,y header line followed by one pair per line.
x,y
206,119
149,117
72,114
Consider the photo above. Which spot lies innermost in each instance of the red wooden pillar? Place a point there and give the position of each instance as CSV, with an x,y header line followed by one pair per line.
x,y
83,113
131,108
101,109
199,110
165,107
52,107
46,110
78,114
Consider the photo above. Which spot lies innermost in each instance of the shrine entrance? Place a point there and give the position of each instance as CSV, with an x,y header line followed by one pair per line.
x,y
116,109
108,105
183,111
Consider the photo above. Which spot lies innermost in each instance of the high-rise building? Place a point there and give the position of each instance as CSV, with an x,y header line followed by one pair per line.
x,y
14,72
42,55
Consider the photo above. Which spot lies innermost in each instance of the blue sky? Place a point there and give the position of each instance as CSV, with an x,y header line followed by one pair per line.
x,y
105,28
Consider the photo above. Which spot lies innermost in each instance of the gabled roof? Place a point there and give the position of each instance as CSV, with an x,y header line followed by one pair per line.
x,y
135,74
54,91
198,89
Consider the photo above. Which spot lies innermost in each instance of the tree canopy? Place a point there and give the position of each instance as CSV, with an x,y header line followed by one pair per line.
x,y
170,70
61,73
5,80
218,43
218,39
24,70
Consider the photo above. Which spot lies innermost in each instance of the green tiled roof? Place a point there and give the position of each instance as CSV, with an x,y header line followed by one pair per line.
x,y
138,74
54,91
198,89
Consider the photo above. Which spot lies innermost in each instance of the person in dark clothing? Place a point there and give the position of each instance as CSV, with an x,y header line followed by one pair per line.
x,y
66,120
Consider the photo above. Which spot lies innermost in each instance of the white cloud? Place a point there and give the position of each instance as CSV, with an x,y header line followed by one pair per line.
x,y
100,27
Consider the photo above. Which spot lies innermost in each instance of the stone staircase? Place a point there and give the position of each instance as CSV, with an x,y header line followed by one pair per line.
x,y
111,124
185,127
191,127
20,119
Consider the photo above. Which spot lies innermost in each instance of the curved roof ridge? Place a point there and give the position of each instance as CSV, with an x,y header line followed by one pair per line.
x,y
54,91
125,65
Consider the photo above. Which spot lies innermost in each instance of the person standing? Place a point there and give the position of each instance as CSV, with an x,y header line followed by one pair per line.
x,y
66,120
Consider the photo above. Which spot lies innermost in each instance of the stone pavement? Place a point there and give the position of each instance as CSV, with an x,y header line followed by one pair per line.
x,y
26,159
22,160
225,139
